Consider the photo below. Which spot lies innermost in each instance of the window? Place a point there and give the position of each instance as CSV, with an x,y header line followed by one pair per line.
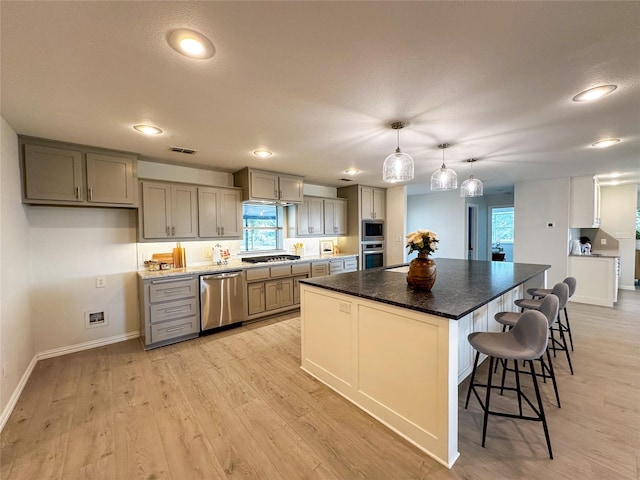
x,y
262,227
501,225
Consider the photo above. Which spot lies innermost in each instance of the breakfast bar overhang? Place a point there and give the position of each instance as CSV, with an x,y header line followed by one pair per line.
x,y
399,354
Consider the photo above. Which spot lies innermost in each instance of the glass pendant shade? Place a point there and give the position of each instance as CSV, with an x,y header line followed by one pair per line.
x,y
471,187
398,167
444,179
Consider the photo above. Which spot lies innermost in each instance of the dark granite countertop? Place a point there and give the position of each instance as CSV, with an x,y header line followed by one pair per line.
x,y
461,286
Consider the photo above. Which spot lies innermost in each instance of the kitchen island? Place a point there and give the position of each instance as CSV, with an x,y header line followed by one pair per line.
x,y
400,354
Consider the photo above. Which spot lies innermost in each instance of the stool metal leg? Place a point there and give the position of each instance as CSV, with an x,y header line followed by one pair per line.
x,y
488,398
566,317
549,365
473,377
543,418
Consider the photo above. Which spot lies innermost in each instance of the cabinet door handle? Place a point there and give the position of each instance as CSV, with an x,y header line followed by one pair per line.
x,y
90,193
168,231
175,329
173,231
222,228
275,193
78,193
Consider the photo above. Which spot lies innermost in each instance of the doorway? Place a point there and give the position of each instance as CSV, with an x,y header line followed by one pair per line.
x,y
502,233
472,232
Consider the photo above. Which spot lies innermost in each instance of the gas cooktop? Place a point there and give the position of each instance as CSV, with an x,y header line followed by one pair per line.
x,y
270,258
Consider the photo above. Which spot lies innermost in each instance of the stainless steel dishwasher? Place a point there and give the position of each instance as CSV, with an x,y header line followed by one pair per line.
x,y
222,299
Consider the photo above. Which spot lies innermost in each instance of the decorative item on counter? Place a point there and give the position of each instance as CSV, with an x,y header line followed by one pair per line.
x,y
422,270
163,258
326,247
298,249
165,266
336,249
152,265
179,257
221,255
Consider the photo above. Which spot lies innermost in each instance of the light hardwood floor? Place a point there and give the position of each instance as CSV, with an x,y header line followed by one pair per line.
x,y
236,405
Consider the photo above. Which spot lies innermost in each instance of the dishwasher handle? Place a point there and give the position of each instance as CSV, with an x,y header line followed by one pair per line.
x,y
222,275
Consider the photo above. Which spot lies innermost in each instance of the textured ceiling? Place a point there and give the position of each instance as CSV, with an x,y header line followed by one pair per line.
x,y
318,83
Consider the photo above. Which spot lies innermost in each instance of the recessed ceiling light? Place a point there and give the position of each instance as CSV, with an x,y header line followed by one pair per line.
x,y
607,142
352,171
594,93
191,44
262,153
148,129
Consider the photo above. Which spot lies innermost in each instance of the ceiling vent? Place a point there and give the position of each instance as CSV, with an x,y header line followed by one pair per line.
x,y
347,179
188,151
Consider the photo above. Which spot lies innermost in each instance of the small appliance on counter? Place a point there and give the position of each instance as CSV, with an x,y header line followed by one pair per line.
x,y
585,246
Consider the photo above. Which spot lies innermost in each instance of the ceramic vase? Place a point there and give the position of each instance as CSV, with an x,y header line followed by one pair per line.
x,y
422,273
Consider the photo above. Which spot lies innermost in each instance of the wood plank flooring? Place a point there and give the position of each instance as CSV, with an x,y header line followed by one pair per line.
x,y
235,405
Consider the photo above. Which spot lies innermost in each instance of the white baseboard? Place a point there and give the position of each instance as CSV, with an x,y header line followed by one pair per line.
x,y
56,352
626,287
78,347
6,413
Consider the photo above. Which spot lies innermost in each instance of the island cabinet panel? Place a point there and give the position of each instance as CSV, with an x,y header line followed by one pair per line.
x,y
392,362
333,328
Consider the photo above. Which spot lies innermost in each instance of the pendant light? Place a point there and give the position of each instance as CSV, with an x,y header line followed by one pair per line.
x,y
444,178
471,187
398,167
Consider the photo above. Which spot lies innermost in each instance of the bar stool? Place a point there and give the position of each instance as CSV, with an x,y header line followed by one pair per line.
x,y
541,292
560,290
549,308
526,341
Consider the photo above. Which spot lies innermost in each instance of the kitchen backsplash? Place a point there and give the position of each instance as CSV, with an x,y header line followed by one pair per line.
x,y
200,252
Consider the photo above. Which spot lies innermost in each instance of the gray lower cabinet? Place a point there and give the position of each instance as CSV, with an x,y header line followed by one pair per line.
x,y
65,174
274,289
169,310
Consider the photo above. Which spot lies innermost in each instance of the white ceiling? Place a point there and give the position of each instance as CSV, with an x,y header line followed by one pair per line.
x,y
318,83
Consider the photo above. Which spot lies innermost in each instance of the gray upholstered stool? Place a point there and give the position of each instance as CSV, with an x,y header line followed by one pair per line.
x,y
541,292
526,341
560,290
549,308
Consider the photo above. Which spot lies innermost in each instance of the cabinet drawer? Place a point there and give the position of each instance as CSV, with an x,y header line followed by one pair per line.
x,y
350,264
168,311
163,290
336,266
281,271
299,268
319,269
257,274
174,329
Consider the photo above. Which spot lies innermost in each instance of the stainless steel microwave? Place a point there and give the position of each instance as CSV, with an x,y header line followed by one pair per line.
x,y
372,231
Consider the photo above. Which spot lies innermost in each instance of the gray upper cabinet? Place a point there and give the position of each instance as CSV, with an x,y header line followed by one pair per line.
x,y
309,217
269,186
335,216
56,173
110,179
168,211
219,212
372,203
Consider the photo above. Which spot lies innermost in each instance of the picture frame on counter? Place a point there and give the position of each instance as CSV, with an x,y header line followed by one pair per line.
x,y
326,247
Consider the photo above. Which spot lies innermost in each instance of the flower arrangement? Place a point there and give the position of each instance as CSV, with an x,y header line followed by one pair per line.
x,y
422,241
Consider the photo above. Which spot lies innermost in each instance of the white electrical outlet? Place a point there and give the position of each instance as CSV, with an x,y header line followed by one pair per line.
x,y
345,307
101,282
603,241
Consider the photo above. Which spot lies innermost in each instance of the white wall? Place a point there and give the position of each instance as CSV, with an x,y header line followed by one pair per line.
x,y
443,213
175,173
17,345
69,248
618,218
396,225
483,226
537,203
